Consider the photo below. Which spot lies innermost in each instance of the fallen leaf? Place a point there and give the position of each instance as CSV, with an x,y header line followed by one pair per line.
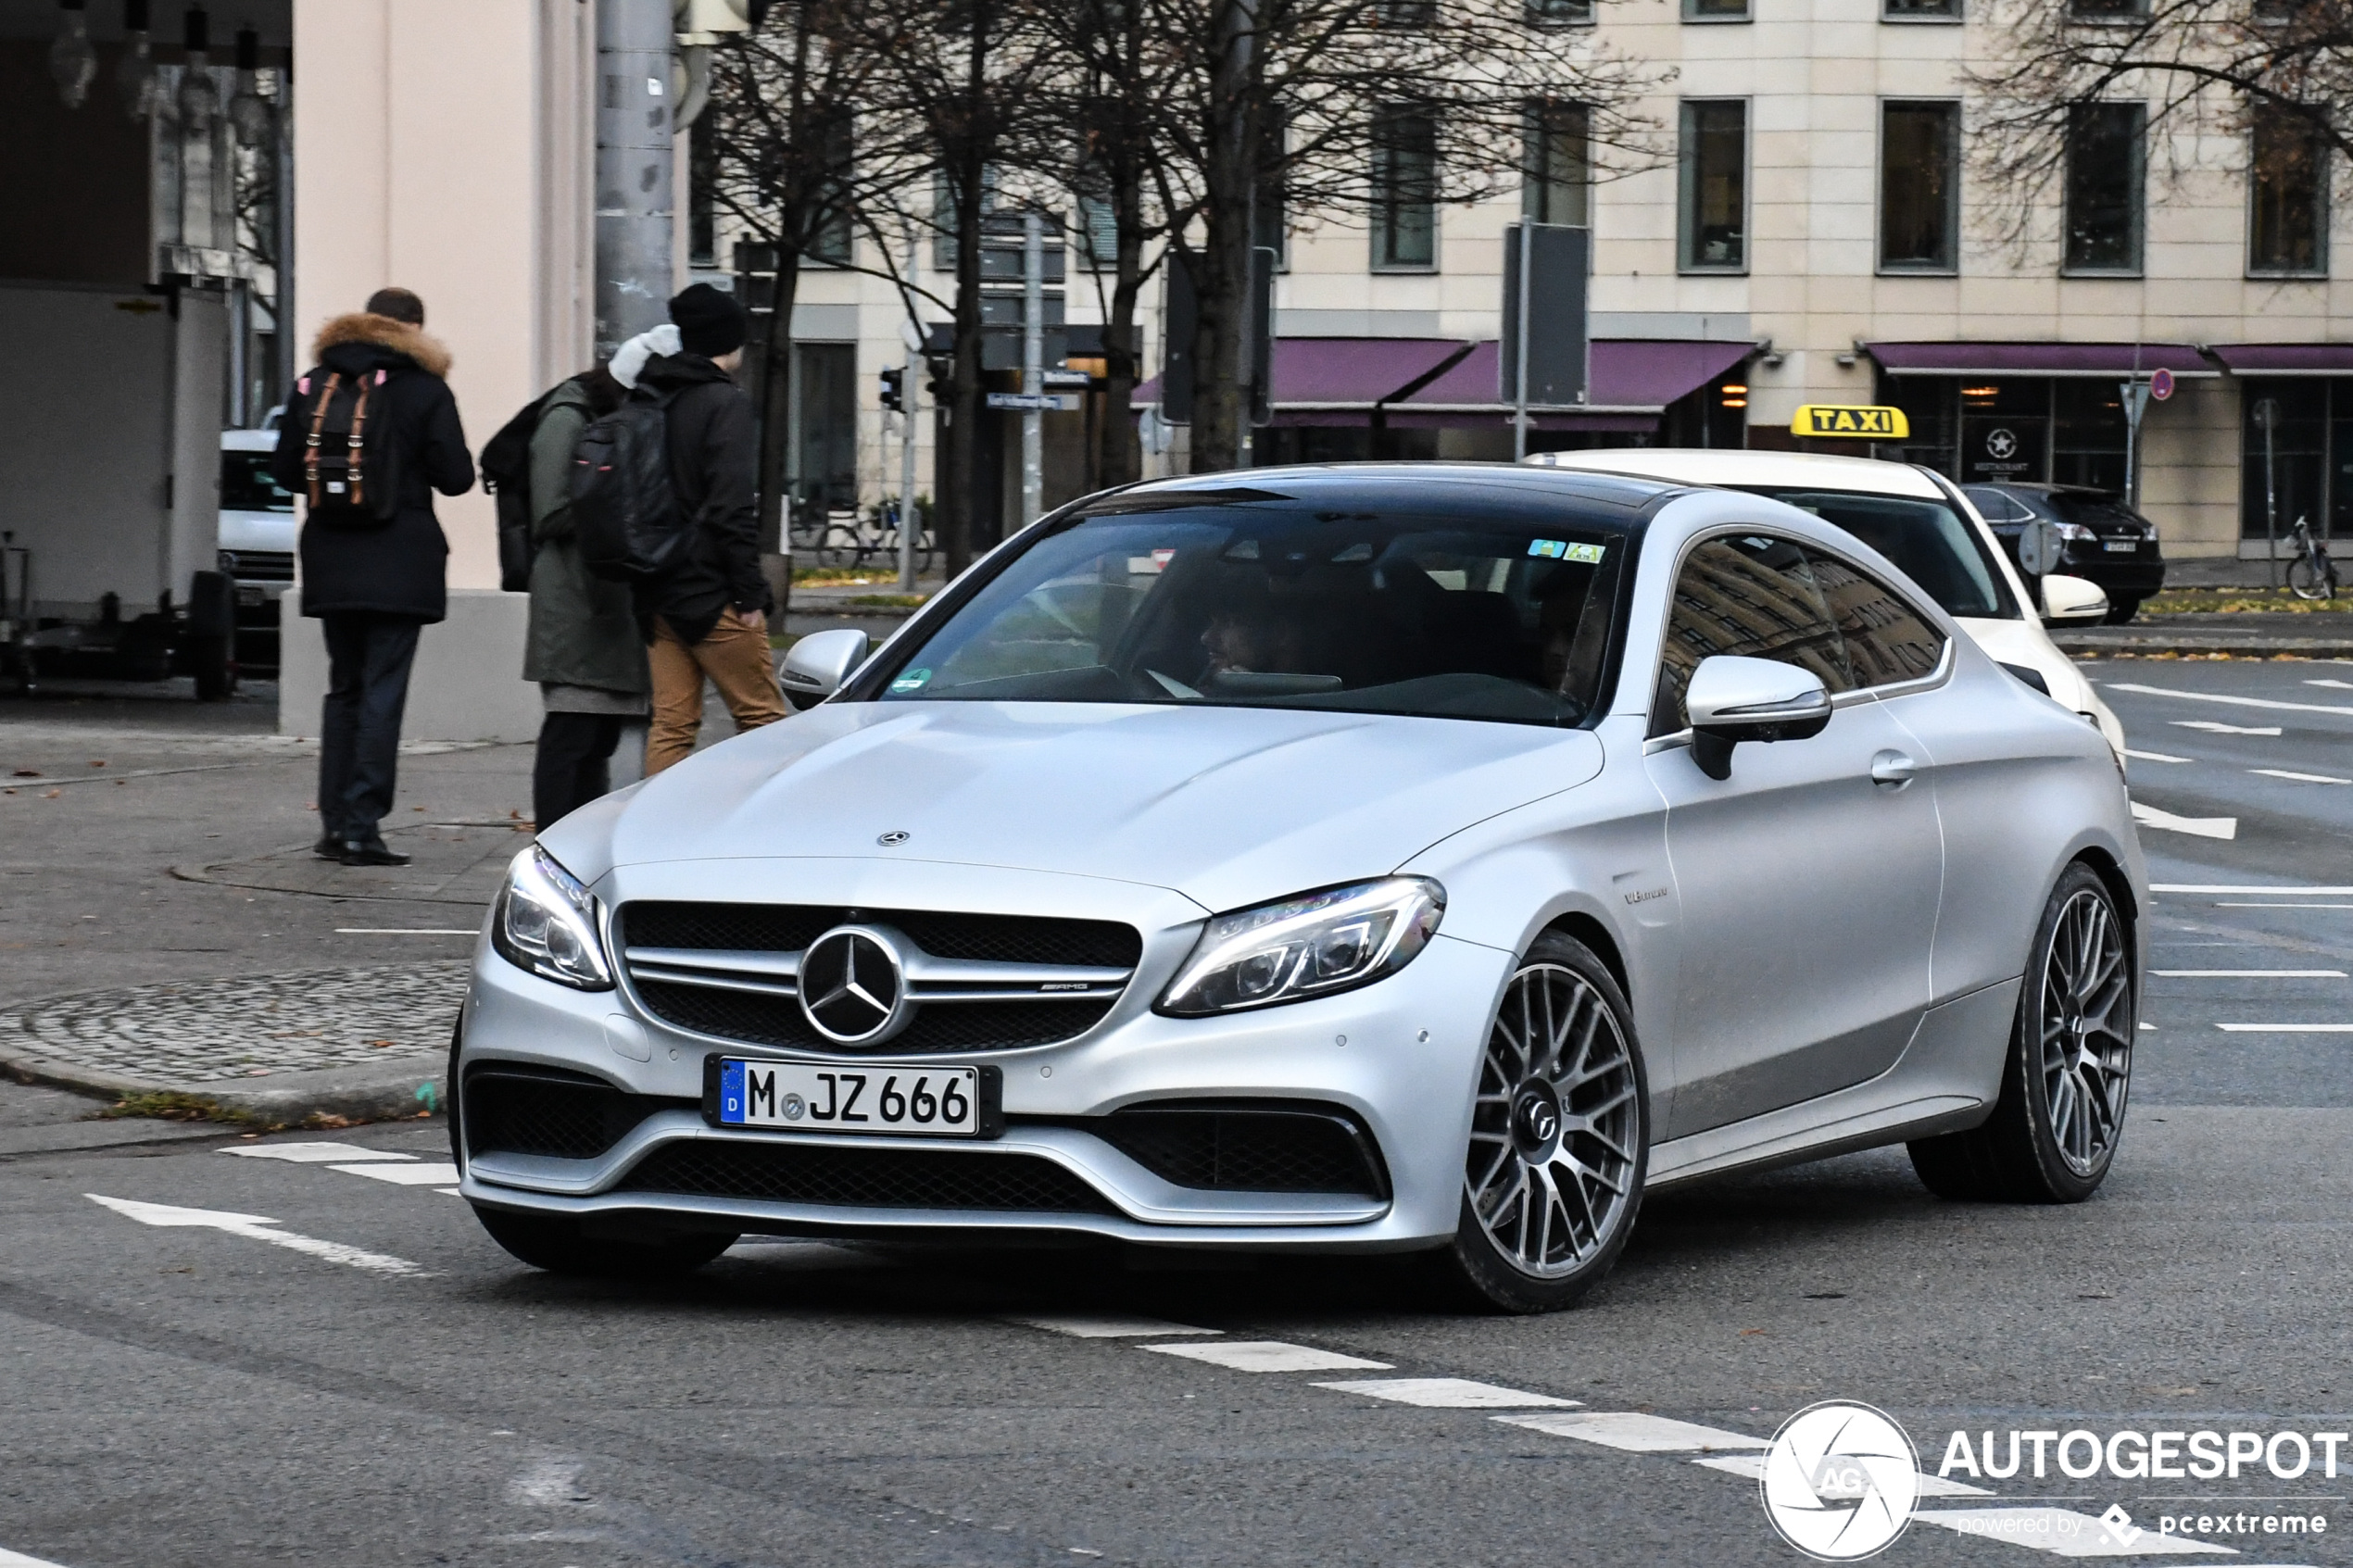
x,y
26,773
97,762
1746,1332
52,795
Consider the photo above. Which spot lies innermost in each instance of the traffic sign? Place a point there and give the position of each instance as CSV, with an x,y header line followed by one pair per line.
x,y
2161,385
1043,402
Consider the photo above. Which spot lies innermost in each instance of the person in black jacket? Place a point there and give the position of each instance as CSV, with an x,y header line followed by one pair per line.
x,y
373,588
708,616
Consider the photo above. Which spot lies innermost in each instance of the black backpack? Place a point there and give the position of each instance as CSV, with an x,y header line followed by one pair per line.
x,y
350,474
506,474
624,503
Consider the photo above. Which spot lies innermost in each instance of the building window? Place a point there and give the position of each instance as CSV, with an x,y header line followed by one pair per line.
x,y
831,242
1920,10
2310,443
1560,13
1919,187
2288,196
1270,223
1097,233
943,216
2104,179
1404,192
1715,10
1411,15
1714,171
1556,171
2106,10
702,202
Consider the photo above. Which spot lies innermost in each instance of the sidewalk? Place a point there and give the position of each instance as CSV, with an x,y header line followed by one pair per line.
x,y
2320,634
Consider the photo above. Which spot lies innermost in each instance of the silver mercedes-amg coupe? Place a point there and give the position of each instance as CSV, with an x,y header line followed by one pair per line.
x,y
1367,857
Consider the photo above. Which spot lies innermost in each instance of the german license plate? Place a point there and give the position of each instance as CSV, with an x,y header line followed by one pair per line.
x,y
2121,547
801,1096
249,595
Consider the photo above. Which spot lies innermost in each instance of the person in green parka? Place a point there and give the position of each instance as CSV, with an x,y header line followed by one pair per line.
x,y
585,648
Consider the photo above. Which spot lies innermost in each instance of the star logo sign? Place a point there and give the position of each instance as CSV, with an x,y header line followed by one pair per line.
x,y
2001,443
853,987
1840,1481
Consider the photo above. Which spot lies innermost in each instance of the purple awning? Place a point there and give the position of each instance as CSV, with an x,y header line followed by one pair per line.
x,y
2285,358
2038,358
1349,371
1630,375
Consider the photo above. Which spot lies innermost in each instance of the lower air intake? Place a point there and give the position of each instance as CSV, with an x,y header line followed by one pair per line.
x,y
881,1178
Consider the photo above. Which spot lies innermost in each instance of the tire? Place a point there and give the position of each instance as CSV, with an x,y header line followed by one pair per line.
x,y
556,1245
1562,1109
2308,578
2068,1071
2119,611
212,660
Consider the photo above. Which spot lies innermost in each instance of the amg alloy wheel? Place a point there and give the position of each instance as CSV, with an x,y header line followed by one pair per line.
x,y
2054,1129
1559,1135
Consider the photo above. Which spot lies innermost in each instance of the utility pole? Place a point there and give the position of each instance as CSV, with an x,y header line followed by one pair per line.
x,y
633,184
1519,379
1033,369
910,521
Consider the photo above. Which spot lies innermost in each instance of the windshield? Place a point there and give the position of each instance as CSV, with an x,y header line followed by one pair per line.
x,y
2094,510
1932,544
245,484
1269,606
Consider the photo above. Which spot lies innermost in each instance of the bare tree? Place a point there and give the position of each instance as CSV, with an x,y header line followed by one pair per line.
x,y
2198,66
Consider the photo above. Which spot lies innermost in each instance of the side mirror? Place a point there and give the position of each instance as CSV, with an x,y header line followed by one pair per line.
x,y
1733,699
2071,598
817,665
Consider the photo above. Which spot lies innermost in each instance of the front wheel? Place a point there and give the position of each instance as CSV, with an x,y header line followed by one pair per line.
x,y
1560,1136
2121,611
2311,577
2053,1131
556,1244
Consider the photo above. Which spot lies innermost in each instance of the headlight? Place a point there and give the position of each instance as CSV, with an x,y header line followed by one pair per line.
x,y
1311,946
546,922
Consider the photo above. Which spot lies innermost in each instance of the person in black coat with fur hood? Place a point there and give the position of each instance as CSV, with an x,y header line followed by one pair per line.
x,y
374,587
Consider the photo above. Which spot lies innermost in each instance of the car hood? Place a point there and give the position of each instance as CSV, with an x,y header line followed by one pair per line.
x,y
1228,805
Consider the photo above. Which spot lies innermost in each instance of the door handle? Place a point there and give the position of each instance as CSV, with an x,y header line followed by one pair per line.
x,y
1893,769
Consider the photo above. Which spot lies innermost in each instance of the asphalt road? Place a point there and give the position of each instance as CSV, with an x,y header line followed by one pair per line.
x,y
336,1368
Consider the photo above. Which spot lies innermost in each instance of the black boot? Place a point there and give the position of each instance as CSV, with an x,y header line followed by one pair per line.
x,y
371,852
330,846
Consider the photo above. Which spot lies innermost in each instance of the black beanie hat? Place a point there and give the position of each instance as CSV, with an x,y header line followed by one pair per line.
x,y
710,323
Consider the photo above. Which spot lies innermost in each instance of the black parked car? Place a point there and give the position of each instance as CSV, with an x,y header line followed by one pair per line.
x,y
2107,542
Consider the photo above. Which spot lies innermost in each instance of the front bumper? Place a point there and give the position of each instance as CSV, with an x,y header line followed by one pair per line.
x,y
1407,1071
2135,576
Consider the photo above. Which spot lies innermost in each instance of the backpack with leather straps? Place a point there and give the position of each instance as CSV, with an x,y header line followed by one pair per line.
x,y
350,477
624,502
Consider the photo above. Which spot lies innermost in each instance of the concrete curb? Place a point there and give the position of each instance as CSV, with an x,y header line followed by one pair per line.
x,y
375,1092
2126,639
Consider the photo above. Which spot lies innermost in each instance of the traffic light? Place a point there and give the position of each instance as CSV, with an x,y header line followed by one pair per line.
x,y
892,380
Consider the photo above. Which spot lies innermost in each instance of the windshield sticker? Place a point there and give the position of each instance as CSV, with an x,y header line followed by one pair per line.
x,y
1356,552
914,681
1244,549
1560,549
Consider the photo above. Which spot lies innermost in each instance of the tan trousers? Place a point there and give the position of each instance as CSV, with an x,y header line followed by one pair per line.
x,y
735,657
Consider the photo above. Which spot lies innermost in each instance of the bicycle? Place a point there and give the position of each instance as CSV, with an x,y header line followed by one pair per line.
x,y
2310,574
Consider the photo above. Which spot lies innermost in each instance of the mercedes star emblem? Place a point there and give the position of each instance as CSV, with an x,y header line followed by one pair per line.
x,y
895,836
853,987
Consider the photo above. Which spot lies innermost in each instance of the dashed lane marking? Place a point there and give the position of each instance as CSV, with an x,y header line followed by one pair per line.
x,y
2201,827
2228,905
1635,1432
2285,1028
2154,756
1109,1327
2233,887
2237,701
255,1227
2213,727
2340,686
1751,1467
1447,1394
2249,974
2061,1531
418,1175
2297,777
19,1559
1268,1355
315,1153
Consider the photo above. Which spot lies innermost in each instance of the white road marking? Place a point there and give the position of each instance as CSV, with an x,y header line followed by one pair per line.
x,y
1448,1393
2059,1531
2213,728
2151,1027
1109,1327
2275,892
255,1227
2203,827
2153,755
314,1153
421,1176
19,1559
2340,686
548,1484
2250,974
1635,1432
2227,906
405,931
1268,1355
2240,701
2298,778
1751,1467
2285,1028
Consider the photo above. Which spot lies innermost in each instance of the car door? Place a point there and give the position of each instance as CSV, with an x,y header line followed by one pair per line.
x,y
1807,887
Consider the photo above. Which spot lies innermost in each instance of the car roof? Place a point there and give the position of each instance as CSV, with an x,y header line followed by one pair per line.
x,y
249,441
1401,484
1699,465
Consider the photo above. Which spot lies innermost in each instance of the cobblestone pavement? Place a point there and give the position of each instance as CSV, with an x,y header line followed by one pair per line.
x,y
252,1025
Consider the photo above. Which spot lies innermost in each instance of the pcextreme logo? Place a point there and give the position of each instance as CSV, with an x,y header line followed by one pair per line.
x,y
1840,1481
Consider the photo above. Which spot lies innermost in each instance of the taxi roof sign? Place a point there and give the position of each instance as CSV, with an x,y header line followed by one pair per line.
x,y
1852,421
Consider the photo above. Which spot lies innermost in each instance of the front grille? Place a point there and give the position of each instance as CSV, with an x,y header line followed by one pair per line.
x,y
1245,1147
258,566
515,1109
882,1178
788,928
760,1007
937,1026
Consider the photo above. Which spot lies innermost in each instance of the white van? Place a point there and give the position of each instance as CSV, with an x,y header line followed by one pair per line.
x,y
1921,522
257,532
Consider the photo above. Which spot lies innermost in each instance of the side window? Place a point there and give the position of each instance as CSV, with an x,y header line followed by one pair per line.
x,y
1886,639
1754,597
1993,505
